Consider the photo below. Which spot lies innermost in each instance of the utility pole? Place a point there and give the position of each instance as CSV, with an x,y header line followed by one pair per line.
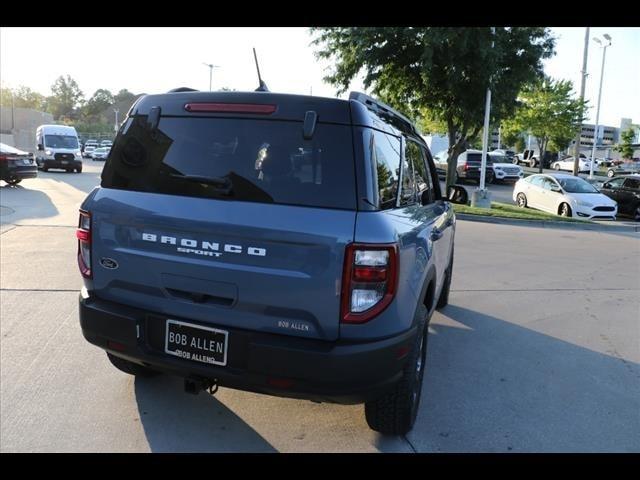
x,y
595,130
481,197
576,151
211,67
115,126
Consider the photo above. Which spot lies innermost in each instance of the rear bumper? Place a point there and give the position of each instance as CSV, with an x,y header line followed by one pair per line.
x,y
50,163
474,174
336,372
26,171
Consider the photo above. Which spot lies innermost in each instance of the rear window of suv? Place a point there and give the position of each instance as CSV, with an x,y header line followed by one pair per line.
x,y
477,157
252,160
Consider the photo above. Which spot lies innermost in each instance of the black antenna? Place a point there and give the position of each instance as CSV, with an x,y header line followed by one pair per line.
x,y
263,86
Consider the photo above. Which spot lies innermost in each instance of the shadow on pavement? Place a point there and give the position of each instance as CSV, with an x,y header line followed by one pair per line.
x,y
85,181
494,386
175,421
20,203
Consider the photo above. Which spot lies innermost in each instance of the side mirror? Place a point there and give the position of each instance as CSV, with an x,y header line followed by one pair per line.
x,y
606,185
40,146
457,194
556,189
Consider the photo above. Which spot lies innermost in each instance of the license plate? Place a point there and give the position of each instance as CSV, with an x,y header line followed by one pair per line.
x,y
64,162
196,343
26,162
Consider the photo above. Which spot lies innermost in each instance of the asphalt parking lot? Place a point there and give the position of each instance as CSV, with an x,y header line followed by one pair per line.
x,y
538,351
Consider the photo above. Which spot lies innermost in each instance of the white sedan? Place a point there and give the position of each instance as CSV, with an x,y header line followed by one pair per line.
x,y
567,164
564,195
100,153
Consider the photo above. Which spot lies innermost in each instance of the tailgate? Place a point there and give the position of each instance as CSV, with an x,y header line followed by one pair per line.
x,y
274,268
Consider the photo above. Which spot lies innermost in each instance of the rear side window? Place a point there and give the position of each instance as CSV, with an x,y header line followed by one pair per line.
x,y
386,154
265,161
537,181
632,183
477,157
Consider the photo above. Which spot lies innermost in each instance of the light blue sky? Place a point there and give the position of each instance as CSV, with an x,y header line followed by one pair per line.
x,y
153,60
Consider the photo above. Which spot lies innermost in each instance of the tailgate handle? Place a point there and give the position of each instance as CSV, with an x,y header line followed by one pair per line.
x,y
197,297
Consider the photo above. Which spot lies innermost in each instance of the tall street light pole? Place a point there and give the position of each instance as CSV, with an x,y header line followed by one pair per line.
x,y
595,130
576,151
115,125
211,67
481,197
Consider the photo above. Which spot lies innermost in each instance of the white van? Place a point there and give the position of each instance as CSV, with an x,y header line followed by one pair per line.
x,y
57,146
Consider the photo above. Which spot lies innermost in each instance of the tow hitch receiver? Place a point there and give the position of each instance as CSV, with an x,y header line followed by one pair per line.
x,y
194,386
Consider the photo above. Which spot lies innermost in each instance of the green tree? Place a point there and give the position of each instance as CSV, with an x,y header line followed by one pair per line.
x,y
510,139
65,99
429,124
22,97
625,147
98,103
548,110
519,144
125,96
443,69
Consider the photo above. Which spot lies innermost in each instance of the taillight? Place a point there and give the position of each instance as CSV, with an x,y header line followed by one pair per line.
x,y
83,234
369,280
466,167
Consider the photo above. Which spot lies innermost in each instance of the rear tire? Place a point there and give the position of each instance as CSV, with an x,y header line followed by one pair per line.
x,y
395,412
521,200
443,300
610,173
131,368
14,181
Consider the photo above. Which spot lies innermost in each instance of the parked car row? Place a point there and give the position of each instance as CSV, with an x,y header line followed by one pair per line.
x,y
567,164
498,168
571,196
625,168
90,146
100,153
565,195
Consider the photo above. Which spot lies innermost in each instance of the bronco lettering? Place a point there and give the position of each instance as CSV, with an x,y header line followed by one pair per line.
x,y
207,248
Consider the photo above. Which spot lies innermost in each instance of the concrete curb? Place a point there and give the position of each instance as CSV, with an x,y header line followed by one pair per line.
x,y
547,224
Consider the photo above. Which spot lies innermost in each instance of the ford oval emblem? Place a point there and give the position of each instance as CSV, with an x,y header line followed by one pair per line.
x,y
109,263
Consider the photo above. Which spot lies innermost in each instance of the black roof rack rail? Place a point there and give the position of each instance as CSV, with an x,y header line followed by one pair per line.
x,y
384,111
182,89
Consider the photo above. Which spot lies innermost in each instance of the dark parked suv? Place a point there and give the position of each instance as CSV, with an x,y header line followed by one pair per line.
x,y
469,166
626,191
281,244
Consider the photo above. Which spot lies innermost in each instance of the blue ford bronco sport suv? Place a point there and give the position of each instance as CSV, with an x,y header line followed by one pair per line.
x,y
282,244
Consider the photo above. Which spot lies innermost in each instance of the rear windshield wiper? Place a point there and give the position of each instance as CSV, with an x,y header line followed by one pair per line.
x,y
221,183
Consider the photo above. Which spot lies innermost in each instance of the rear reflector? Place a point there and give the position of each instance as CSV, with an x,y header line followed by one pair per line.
x,y
83,234
115,346
261,109
280,382
369,274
